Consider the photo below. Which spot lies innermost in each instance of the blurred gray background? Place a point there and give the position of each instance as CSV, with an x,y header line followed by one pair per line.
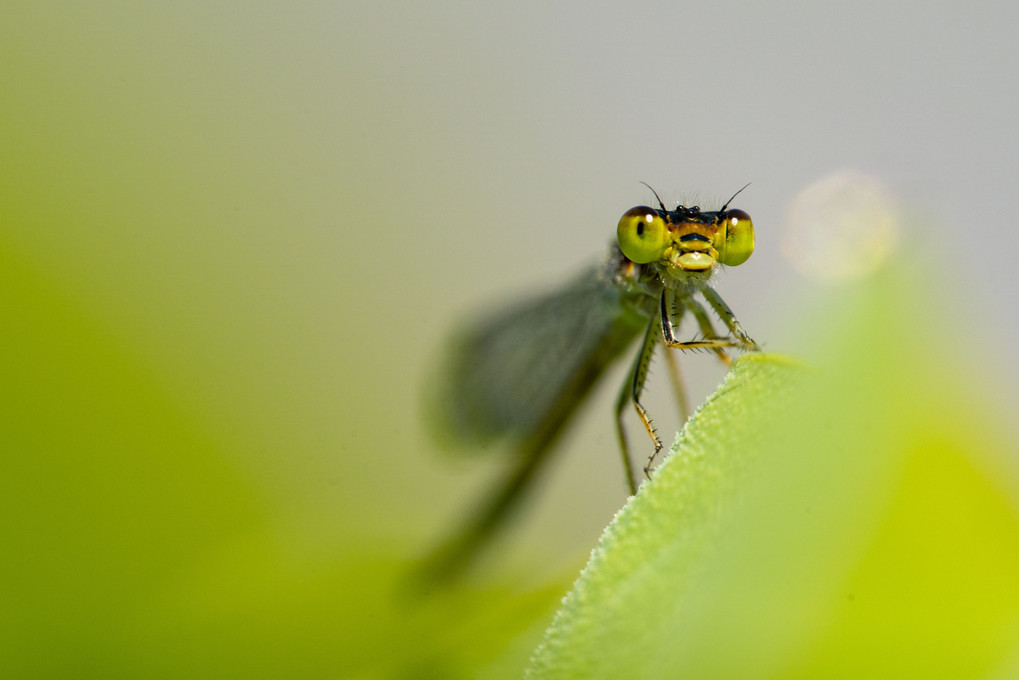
x,y
290,208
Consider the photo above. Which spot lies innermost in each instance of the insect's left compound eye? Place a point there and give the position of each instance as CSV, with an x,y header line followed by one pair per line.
x,y
642,235
736,242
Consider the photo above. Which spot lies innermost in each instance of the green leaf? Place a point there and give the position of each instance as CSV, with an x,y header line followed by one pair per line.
x,y
854,517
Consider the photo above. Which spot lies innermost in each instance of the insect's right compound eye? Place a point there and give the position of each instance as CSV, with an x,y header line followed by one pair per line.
x,y
642,235
738,238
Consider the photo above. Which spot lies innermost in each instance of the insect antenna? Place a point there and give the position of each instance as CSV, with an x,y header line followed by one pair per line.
x,y
659,198
722,209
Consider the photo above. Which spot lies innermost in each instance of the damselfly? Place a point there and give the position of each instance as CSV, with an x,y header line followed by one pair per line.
x,y
522,372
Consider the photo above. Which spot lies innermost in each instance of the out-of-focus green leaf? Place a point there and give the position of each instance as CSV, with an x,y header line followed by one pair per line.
x,y
136,546
856,517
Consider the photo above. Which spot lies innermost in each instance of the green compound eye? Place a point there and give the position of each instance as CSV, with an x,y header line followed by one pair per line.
x,y
737,237
642,235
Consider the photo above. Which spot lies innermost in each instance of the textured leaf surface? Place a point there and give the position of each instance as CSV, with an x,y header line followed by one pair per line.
x,y
853,518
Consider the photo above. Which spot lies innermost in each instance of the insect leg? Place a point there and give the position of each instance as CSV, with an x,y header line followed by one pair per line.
x,y
669,315
707,330
624,397
669,333
724,313
676,376
631,392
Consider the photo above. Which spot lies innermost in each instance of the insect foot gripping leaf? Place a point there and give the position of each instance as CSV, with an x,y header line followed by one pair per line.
x,y
853,518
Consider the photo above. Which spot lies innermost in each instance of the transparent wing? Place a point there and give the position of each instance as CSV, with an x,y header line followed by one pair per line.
x,y
522,373
527,367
